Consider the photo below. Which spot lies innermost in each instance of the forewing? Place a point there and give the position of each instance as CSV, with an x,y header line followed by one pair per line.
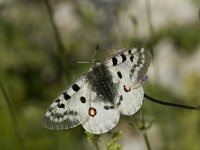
x,y
134,62
70,108
128,68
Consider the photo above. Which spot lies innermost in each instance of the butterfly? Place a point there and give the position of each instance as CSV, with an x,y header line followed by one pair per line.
x,y
97,98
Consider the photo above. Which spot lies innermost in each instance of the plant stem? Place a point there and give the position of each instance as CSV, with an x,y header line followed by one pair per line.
x,y
59,43
171,104
96,146
146,141
55,29
144,132
96,137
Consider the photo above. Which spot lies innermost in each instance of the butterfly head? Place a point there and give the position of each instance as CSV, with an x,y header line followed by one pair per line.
x,y
95,63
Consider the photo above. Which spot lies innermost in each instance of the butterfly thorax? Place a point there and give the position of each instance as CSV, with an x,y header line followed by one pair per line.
x,y
100,80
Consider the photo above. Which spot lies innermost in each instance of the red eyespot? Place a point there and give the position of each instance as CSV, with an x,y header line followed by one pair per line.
x,y
127,88
92,111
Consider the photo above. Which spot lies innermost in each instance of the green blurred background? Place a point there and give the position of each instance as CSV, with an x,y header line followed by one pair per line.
x,y
39,42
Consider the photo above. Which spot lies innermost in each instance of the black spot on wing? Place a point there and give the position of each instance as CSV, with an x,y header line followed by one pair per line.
x,y
61,105
75,87
131,58
66,96
119,74
106,107
134,66
112,107
114,60
58,116
71,113
120,99
129,51
82,99
57,100
123,57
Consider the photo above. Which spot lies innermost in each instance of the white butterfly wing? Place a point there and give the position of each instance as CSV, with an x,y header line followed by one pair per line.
x,y
128,68
134,61
70,108
104,119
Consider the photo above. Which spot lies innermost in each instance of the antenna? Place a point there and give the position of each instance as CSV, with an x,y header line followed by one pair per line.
x,y
95,52
81,62
89,62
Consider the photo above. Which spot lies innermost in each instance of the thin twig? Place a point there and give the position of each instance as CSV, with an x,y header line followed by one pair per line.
x,y
54,26
96,138
146,141
59,43
96,145
93,139
144,132
171,104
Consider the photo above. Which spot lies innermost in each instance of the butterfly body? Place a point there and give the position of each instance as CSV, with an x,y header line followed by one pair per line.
x,y
98,97
100,81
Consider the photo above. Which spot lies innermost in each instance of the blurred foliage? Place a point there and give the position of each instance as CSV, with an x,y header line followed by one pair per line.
x,y
92,138
113,145
33,72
